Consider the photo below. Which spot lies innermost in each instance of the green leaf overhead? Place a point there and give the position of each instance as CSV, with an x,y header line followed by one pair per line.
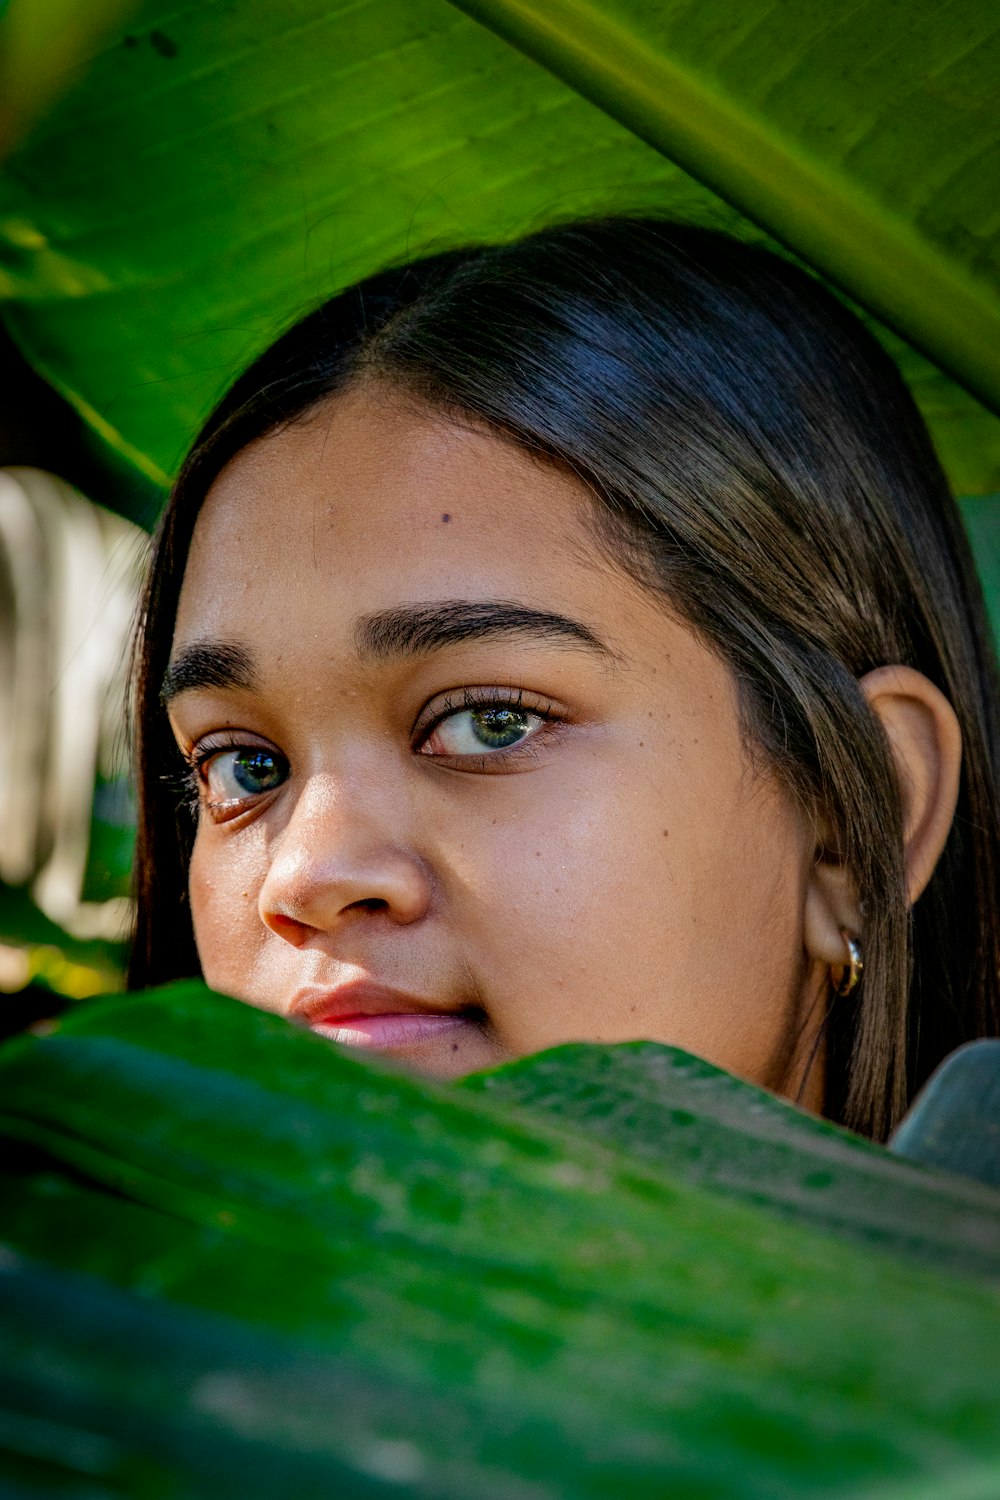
x,y
41,43
224,165
863,136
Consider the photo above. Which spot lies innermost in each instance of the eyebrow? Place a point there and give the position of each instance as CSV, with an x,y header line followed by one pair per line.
x,y
407,630
412,629
208,664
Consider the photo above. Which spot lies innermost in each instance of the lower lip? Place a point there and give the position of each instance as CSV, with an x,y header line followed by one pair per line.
x,y
387,1033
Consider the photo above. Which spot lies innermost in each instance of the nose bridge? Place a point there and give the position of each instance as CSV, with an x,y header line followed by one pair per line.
x,y
347,847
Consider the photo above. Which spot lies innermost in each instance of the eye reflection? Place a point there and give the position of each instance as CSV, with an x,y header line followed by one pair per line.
x,y
247,771
473,731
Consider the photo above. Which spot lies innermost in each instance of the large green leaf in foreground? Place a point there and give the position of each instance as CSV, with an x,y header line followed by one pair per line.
x,y
238,1258
226,163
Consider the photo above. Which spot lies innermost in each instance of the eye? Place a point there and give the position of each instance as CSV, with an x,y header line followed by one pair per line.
x,y
244,771
481,729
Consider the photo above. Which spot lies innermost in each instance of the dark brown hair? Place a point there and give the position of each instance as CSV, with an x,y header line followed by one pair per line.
x,y
755,456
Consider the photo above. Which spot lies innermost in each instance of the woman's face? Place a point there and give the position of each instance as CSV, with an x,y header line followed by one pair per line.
x,y
466,789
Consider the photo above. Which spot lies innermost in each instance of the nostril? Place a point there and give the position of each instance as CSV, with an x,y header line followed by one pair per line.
x,y
287,927
372,903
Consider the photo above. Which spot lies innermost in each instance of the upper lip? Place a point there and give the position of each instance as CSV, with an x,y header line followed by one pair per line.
x,y
359,997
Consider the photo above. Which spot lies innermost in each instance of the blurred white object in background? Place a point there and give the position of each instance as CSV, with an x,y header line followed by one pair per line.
x,y
69,581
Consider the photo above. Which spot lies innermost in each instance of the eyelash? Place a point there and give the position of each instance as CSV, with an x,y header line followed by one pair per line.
x,y
189,783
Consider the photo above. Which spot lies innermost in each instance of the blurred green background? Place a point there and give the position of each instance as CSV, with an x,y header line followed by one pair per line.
x,y
182,180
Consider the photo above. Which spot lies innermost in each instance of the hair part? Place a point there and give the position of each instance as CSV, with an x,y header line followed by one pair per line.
x,y
755,457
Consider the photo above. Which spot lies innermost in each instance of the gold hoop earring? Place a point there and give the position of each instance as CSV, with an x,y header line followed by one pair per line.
x,y
853,969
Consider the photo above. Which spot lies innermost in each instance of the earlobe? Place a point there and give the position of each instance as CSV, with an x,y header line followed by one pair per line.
x,y
926,743
831,910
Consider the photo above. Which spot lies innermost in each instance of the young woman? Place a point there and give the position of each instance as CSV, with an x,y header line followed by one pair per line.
x,y
576,640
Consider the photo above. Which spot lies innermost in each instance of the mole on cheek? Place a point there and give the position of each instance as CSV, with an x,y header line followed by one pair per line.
x,y
446,517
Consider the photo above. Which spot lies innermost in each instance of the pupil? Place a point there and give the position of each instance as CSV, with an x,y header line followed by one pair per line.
x,y
497,727
256,770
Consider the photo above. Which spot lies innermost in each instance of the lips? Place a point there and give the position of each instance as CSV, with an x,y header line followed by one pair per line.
x,y
388,1033
363,1014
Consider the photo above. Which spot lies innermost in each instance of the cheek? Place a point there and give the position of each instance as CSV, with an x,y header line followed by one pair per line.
x,y
649,904
223,886
549,896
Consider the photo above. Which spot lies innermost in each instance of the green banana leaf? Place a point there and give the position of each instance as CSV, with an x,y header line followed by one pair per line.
x,y
234,1256
226,163
42,44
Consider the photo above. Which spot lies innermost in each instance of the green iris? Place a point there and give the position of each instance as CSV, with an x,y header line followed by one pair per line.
x,y
256,771
499,727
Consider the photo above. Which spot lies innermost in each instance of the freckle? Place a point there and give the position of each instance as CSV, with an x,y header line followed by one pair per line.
x,y
446,518
454,1046
641,743
632,1010
666,833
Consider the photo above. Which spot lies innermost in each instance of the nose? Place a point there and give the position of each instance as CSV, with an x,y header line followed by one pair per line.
x,y
338,857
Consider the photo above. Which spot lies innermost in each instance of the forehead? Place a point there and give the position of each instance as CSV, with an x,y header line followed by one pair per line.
x,y
373,501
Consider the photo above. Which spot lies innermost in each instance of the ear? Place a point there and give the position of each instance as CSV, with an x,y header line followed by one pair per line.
x,y
926,745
